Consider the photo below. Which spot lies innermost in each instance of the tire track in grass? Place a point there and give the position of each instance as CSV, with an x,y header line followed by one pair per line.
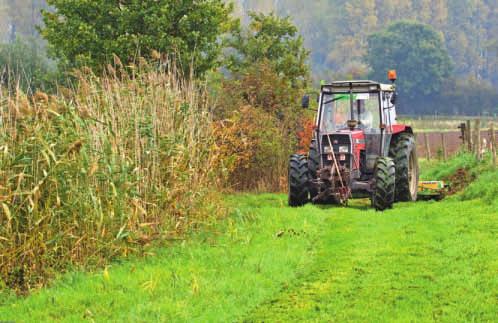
x,y
307,295
413,263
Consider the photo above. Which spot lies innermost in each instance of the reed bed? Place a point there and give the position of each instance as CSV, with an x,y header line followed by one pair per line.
x,y
100,171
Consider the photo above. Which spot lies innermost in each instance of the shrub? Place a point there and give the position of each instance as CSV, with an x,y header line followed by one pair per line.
x,y
272,39
256,130
253,150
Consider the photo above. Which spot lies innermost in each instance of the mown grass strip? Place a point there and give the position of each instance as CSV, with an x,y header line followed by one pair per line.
x,y
418,262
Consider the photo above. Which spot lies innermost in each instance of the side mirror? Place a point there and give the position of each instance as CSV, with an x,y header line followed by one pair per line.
x,y
393,98
305,102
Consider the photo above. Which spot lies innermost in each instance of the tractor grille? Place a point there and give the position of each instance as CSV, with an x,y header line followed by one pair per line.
x,y
337,141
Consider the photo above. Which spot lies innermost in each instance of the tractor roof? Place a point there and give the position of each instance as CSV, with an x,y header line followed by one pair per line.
x,y
357,86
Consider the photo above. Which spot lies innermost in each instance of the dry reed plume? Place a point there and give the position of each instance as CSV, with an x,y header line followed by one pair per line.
x,y
100,171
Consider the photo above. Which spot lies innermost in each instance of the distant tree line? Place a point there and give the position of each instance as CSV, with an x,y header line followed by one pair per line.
x,y
337,33
426,81
337,30
345,39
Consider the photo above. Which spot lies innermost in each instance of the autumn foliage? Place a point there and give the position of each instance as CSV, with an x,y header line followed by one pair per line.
x,y
305,133
256,129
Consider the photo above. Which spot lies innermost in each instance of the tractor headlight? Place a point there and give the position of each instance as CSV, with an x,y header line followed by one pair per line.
x,y
343,149
327,149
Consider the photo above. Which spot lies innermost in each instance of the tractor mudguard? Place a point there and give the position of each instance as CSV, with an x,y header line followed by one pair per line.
x,y
399,128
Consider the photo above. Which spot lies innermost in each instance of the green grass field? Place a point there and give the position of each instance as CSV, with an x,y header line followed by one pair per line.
x,y
424,261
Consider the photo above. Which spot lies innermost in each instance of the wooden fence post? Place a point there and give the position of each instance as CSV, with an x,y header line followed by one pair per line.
x,y
443,144
469,136
462,133
477,144
493,143
427,146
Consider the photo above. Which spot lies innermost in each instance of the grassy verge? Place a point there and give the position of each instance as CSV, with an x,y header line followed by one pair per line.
x,y
217,275
471,178
420,261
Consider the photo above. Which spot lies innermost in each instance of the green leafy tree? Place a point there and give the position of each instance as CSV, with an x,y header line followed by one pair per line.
x,y
272,39
89,33
416,51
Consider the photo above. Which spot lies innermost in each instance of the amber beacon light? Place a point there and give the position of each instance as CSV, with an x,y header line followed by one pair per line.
x,y
391,75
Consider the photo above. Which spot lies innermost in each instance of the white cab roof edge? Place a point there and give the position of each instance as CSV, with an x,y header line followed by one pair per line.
x,y
387,87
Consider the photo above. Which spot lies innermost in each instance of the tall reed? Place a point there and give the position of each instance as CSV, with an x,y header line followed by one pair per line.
x,y
99,171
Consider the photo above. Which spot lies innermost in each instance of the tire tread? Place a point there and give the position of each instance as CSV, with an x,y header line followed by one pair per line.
x,y
298,180
400,151
385,183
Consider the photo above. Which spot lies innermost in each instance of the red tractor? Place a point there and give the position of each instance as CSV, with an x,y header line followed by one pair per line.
x,y
358,149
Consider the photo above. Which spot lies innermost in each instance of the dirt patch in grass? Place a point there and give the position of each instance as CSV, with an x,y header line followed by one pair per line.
x,y
459,180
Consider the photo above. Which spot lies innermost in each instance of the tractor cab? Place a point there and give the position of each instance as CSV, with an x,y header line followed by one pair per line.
x,y
368,103
361,113
358,148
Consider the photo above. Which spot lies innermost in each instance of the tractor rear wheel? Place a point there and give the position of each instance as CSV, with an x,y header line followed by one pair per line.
x,y
403,150
298,180
384,184
313,165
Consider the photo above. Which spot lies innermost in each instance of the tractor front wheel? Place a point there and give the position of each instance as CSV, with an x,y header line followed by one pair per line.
x,y
298,180
403,150
384,184
313,165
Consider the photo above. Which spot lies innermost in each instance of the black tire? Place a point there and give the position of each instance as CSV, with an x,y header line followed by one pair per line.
x,y
313,165
403,151
298,180
384,184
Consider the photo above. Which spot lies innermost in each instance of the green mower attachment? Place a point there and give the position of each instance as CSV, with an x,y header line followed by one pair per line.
x,y
432,190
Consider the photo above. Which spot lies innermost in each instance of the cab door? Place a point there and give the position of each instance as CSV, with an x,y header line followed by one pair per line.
x,y
373,133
